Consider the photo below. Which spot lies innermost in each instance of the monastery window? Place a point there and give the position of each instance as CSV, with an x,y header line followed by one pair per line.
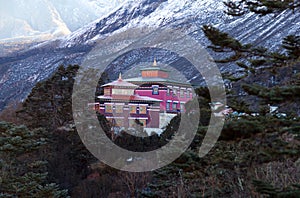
x,y
119,108
168,105
143,109
132,109
181,93
174,92
155,90
188,93
174,106
169,90
108,108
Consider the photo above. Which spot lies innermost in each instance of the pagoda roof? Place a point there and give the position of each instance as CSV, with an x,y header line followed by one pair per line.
x,y
154,68
135,97
120,83
155,79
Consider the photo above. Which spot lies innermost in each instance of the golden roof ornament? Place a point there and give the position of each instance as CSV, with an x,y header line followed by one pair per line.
x,y
154,62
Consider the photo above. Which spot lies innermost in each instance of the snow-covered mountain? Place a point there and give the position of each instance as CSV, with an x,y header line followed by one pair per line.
x,y
46,19
19,72
152,13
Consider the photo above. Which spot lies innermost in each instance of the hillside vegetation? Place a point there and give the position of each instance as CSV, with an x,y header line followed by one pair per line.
x,y
257,155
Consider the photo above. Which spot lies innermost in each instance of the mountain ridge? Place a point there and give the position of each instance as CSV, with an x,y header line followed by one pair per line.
x,y
39,62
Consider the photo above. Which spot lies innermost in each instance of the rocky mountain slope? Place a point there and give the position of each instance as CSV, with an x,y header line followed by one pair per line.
x,y
20,71
43,19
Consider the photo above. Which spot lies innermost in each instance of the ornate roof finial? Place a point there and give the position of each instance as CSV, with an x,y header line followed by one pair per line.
x,y
120,76
154,62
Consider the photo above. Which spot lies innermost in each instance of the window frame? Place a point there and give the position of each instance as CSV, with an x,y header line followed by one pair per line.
x,y
188,93
155,90
119,107
181,92
168,105
144,112
176,104
108,105
131,110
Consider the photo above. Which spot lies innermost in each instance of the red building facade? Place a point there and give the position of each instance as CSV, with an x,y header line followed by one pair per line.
x,y
123,107
143,100
155,82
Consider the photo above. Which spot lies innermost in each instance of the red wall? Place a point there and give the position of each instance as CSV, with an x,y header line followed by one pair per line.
x,y
152,115
164,97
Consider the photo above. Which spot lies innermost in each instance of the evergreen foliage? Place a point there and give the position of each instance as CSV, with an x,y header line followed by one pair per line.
x,y
275,94
269,190
249,149
49,103
221,41
292,44
248,57
247,146
260,7
23,171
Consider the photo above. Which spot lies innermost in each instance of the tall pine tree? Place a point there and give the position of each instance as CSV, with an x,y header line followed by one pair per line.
x,y
23,171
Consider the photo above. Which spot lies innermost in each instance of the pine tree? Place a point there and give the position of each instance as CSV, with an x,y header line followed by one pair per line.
x,y
49,104
221,41
268,189
260,7
23,171
247,56
292,44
